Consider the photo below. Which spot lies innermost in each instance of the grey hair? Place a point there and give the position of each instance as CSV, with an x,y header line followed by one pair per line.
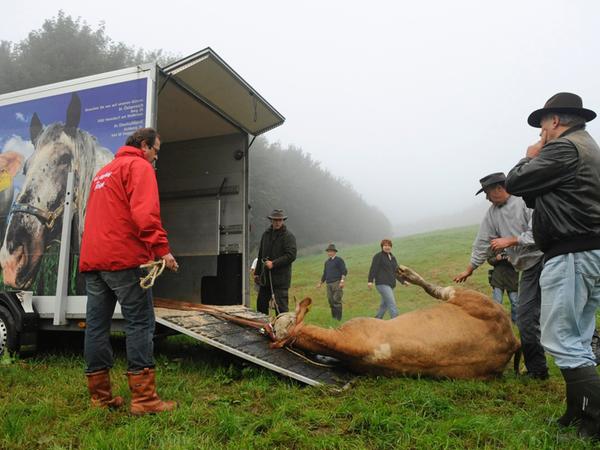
x,y
568,120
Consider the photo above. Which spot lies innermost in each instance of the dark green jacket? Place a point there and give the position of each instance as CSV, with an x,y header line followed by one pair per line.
x,y
503,275
280,247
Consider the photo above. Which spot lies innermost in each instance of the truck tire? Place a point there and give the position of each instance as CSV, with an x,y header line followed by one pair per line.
x,y
9,339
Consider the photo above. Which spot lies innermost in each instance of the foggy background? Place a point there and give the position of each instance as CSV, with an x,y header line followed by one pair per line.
x,y
410,102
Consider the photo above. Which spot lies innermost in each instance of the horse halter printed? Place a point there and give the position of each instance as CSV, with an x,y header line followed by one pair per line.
x,y
48,218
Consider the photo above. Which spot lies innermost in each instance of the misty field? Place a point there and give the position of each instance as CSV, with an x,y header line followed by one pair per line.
x,y
225,403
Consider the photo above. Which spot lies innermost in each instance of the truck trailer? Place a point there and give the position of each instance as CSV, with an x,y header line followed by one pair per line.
x,y
54,138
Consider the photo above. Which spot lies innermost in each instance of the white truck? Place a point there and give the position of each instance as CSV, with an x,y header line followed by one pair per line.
x,y
54,138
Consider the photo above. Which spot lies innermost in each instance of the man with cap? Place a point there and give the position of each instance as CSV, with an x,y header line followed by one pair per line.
x,y
560,178
276,253
506,227
334,274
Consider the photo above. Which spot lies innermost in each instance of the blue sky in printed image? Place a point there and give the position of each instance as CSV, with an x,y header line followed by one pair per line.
x,y
107,112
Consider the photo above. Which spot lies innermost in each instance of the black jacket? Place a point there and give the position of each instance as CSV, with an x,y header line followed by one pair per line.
x,y
280,247
562,184
383,269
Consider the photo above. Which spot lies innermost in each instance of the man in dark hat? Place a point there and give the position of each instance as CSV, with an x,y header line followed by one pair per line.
x,y
506,227
276,253
560,178
334,274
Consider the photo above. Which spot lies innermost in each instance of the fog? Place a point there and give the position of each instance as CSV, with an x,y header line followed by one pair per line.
x,y
411,102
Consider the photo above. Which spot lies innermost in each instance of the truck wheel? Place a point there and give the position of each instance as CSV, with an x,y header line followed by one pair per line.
x,y
9,340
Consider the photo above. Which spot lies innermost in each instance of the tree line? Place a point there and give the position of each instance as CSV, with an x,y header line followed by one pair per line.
x,y
322,208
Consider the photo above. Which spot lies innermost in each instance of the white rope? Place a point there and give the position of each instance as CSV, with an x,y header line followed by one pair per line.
x,y
155,269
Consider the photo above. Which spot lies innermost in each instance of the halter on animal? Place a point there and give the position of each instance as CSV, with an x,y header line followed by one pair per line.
x,y
48,218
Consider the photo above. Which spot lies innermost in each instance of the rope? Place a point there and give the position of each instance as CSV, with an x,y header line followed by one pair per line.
x,y
273,302
307,359
155,269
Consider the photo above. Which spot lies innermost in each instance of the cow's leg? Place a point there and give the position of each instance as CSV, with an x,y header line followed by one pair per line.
x,y
407,274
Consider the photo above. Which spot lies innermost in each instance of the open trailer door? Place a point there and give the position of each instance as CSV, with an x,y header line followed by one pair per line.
x,y
205,75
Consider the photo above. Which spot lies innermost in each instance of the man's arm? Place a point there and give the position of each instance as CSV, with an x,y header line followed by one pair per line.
x,y
142,191
532,177
481,244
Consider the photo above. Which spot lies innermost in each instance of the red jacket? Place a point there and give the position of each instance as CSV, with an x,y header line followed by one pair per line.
x,y
122,221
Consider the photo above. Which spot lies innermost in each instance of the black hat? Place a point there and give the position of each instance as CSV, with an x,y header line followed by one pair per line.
x,y
490,180
563,102
331,247
277,214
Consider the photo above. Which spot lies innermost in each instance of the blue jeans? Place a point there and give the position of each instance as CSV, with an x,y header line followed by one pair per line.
x,y
388,302
104,289
570,296
513,296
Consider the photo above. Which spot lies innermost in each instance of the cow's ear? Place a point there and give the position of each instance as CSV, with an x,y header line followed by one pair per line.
x,y
73,115
35,128
302,308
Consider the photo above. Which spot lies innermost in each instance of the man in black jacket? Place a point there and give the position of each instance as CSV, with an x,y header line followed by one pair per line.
x,y
276,253
560,179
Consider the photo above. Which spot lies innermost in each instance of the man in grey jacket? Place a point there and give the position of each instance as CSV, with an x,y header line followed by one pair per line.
x,y
506,226
560,178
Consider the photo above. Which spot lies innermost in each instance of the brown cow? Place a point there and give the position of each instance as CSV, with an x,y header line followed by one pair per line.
x,y
466,336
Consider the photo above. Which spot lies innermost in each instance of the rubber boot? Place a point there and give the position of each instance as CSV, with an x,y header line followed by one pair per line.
x,y
336,312
101,391
144,399
573,413
583,401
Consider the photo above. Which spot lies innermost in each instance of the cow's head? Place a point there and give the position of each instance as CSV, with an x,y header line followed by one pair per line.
x,y
286,325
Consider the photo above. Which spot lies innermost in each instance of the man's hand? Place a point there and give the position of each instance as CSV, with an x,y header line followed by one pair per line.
x,y
341,284
370,285
461,277
319,284
534,150
170,262
499,244
269,264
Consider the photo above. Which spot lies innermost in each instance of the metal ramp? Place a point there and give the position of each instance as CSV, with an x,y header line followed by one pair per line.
x,y
249,344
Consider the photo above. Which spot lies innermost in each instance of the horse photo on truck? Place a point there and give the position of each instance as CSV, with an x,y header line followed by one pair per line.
x,y
42,141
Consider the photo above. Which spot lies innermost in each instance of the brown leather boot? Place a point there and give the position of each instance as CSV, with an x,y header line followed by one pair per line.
x,y
144,399
100,390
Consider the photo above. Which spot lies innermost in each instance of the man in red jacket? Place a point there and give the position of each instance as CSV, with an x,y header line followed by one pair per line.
x,y
123,230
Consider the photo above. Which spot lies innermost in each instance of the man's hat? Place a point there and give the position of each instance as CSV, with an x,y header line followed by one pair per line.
x,y
331,248
490,180
563,102
277,214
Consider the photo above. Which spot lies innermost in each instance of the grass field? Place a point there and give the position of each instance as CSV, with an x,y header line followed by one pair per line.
x,y
225,403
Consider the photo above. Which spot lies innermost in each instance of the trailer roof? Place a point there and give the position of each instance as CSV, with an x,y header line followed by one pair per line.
x,y
208,78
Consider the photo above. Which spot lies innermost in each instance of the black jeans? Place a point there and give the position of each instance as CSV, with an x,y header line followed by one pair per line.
x,y
104,289
264,296
528,320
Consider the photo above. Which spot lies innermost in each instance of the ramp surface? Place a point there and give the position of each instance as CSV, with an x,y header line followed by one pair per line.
x,y
249,344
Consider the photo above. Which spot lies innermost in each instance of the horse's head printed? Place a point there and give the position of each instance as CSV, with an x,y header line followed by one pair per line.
x,y
36,216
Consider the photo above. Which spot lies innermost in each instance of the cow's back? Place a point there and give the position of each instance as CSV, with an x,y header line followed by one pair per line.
x,y
469,336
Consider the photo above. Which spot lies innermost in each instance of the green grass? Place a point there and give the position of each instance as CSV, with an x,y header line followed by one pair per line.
x,y
225,403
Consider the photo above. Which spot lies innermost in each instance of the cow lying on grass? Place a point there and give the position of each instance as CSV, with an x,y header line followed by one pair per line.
x,y
466,336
